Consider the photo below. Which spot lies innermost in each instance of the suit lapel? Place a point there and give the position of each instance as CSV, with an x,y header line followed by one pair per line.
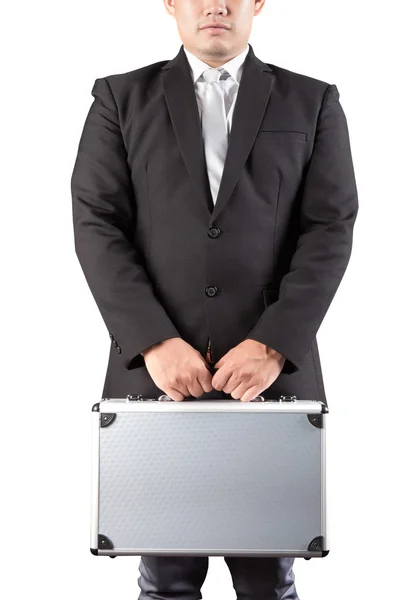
x,y
253,95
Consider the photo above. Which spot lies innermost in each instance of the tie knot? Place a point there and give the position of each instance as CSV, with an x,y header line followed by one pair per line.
x,y
212,74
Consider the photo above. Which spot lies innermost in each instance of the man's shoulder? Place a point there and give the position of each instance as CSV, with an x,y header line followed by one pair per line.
x,y
287,78
143,75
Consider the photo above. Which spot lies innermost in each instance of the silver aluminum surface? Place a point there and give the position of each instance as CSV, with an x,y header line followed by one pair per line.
x,y
212,477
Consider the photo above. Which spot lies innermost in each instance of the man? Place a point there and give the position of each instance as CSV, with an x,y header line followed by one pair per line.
x,y
214,201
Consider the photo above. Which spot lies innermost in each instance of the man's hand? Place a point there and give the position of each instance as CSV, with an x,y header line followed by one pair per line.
x,y
178,369
247,369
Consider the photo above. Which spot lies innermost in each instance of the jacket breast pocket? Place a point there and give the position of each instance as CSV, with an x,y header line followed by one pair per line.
x,y
282,135
270,295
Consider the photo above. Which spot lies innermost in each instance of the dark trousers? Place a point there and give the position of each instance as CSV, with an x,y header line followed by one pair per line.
x,y
181,577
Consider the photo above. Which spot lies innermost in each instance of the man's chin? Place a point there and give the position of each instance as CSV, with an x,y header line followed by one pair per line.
x,y
214,49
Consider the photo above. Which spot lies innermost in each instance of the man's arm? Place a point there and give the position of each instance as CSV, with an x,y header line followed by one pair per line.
x,y
329,208
104,214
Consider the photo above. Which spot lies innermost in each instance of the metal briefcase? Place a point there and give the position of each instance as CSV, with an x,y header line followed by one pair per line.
x,y
208,477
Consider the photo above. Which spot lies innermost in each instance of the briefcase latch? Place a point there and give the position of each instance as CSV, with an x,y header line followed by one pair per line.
x,y
287,399
140,398
134,397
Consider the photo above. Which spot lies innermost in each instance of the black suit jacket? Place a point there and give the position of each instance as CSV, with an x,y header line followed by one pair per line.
x,y
162,261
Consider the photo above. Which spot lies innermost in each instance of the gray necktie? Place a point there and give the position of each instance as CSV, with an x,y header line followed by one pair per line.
x,y
214,128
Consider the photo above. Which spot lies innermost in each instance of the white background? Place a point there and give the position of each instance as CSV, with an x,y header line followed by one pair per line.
x,y
55,344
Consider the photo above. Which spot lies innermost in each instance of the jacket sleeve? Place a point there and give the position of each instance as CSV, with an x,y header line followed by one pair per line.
x,y
104,220
328,210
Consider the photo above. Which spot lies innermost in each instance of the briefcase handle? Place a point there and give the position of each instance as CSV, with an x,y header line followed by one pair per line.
x,y
165,398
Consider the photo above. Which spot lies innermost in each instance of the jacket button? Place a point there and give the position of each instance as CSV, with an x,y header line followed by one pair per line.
x,y
114,342
211,290
111,336
214,232
118,349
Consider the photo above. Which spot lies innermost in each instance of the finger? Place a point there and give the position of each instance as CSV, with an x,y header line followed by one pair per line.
x,y
240,390
183,387
196,388
180,383
205,379
251,393
233,382
220,379
174,394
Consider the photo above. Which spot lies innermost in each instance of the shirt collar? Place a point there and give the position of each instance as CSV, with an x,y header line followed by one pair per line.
x,y
233,66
